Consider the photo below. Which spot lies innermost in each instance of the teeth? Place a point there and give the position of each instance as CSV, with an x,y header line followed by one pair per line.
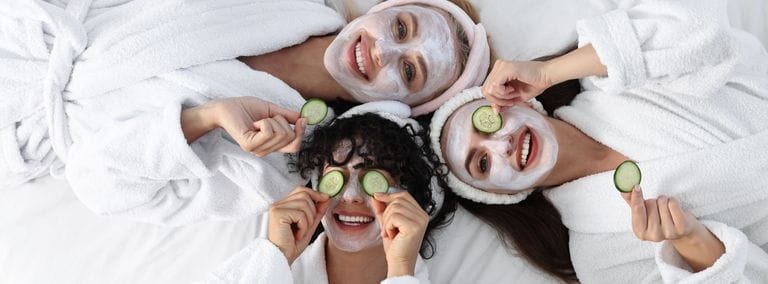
x,y
359,58
355,219
526,149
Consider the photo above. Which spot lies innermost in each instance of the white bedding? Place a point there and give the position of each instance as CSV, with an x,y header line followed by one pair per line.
x,y
48,236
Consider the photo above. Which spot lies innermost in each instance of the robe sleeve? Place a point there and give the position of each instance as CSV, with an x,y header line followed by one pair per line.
x,y
142,168
678,47
742,262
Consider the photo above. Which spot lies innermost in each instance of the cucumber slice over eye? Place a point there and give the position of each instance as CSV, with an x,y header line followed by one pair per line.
x,y
374,181
485,120
314,110
331,183
626,176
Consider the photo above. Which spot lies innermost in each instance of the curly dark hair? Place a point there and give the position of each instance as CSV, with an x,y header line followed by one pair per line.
x,y
385,145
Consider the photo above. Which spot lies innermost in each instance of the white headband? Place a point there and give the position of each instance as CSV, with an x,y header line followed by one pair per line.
x,y
478,61
459,187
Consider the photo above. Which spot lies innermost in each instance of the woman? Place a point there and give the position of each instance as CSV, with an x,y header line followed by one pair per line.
x,y
367,238
124,78
683,97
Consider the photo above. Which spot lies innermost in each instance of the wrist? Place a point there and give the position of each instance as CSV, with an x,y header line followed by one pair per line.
x,y
700,249
401,268
197,121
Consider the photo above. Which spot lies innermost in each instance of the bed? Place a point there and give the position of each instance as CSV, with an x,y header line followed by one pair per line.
x,y
48,236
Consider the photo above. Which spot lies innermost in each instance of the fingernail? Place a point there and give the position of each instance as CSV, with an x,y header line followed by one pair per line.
x,y
637,188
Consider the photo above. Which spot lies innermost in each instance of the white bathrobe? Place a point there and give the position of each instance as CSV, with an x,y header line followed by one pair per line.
x,y
263,263
98,86
688,100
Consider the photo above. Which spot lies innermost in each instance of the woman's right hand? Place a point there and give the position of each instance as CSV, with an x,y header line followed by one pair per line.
x,y
513,82
258,126
293,220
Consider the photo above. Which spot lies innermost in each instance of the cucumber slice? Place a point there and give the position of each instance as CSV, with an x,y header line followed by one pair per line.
x,y
331,183
374,181
314,110
626,176
485,120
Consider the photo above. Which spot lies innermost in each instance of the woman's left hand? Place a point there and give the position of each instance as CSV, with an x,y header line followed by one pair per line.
x,y
659,219
403,223
663,219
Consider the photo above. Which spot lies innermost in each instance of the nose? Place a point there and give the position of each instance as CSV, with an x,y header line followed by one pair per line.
x,y
500,147
352,191
384,52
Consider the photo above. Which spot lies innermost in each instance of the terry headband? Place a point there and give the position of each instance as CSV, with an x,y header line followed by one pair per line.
x,y
478,60
458,186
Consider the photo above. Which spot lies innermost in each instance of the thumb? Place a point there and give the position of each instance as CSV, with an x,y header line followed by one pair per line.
x,y
295,145
274,110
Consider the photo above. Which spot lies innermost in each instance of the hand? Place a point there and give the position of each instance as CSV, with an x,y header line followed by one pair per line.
x,y
293,220
659,219
403,223
663,219
259,127
513,82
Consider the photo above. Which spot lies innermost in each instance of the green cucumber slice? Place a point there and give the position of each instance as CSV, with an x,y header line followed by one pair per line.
x,y
331,183
485,120
374,181
314,110
626,176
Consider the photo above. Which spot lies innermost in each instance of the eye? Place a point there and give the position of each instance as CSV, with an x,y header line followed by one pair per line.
x,y
409,71
402,32
483,163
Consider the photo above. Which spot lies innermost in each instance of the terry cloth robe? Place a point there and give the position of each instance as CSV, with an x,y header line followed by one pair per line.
x,y
688,100
98,86
263,262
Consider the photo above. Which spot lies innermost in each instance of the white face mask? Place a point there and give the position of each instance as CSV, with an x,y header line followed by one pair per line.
x,y
513,162
372,62
350,222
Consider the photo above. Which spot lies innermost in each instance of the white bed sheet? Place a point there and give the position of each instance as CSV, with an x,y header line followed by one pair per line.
x,y
48,236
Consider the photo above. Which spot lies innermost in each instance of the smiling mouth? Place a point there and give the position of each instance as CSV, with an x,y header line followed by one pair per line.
x,y
357,59
527,149
353,220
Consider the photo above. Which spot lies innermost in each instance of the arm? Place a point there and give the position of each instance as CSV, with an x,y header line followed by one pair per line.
x,y
142,168
660,43
690,250
663,219
677,45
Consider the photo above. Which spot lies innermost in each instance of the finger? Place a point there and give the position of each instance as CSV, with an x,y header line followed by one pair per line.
x,y
653,232
283,123
667,225
274,110
286,133
307,208
678,216
378,211
639,212
295,145
253,143
296,220
275,138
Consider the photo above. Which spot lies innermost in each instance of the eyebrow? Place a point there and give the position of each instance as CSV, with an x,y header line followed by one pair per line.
x,y
471,156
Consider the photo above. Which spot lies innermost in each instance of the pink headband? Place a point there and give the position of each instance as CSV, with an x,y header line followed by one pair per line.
x,y
479,58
